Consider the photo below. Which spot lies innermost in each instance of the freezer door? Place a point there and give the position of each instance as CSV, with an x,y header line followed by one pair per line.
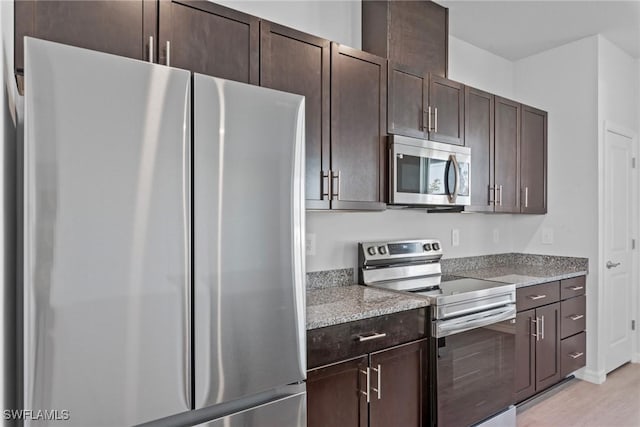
x,y
248,228
288,412
106,226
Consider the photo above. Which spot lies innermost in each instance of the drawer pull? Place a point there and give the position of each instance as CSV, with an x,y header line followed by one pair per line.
x,y
576,288
536,297
576,355
374,336
576,316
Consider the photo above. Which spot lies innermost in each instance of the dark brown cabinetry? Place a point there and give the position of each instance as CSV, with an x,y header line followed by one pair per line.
x,y
296,62
507,156
377,374
117,27
479,134
533,161
549,336
446,104
209,39
412,33
357,179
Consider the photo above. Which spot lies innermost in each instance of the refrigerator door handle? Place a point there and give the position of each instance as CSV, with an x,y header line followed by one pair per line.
x,y
186,206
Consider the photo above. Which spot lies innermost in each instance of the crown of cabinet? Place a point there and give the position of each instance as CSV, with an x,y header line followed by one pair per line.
x,y
412,33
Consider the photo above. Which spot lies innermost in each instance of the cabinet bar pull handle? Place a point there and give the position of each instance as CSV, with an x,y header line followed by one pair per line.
x,y
526,197
576,316
366,393
542,328
576,355
424,121
576,288
325,189
500,188
374,336
435,113
378,390
168,53
429,118
337,193
151,49
537,334
536,297
492,192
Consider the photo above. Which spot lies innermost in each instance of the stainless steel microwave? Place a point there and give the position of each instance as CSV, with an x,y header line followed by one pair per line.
x,y
427,173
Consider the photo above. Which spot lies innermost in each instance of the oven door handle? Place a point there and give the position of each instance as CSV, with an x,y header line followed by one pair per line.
x,y
445,328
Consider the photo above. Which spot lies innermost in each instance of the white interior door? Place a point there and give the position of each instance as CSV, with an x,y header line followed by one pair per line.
x,y
617,265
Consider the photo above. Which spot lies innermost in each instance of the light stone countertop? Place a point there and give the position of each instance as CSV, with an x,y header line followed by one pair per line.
x,y
522,275
341,304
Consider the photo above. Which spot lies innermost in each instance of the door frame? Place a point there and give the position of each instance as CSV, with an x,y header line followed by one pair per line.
x,y
602,335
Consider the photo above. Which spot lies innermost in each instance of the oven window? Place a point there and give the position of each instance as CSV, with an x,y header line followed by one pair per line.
x,y
422,175
475,374
409,174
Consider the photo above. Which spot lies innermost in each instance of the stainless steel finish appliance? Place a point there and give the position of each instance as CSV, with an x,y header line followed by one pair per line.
x,y
472,328
427,173
112,198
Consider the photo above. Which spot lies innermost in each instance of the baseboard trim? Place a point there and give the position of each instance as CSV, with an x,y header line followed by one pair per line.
x,y
595,377
544,394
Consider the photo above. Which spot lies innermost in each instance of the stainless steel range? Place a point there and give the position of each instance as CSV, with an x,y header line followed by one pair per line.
x,y
472,330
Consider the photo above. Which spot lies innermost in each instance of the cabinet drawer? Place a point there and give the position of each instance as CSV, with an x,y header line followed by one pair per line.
x,y
574,353
574,287
537,295
347,340
572,312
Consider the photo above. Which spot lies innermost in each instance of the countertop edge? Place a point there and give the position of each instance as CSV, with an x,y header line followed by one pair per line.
x,y
551,279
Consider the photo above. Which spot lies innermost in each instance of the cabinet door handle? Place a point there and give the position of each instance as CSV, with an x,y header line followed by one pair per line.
x,y
378,390
576,316
536,297
542,328
492,192
537,334
526,197
366,393
576,288
425,120
168,53
325,189
500,188
429,118
435,119
151,49
576,355
374,336
336,194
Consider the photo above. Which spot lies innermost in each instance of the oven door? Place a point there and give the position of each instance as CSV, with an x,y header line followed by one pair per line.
x,y
474,373
429,173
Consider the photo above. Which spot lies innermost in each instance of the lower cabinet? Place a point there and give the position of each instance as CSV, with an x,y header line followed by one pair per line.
x,y
383,389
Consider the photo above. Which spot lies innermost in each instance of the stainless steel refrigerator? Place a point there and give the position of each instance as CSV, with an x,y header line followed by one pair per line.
x,y
162,260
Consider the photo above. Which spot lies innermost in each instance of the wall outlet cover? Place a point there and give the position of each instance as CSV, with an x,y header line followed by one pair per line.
x,y
310,244
455,237
547,236
496,235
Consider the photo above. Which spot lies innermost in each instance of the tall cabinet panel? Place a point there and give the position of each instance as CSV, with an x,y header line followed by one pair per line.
x,y
209,39
533,161
358,129
479,109
299,63
507,155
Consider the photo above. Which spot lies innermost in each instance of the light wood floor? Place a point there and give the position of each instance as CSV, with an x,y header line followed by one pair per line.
x,y
616,403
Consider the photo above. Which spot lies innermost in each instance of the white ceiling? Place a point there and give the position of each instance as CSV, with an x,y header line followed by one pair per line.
x,y
516,29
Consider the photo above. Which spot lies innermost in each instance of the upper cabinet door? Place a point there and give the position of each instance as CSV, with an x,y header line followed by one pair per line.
x,y
209,39
479,107
533,161
358,129
446,104
408,99
412,33
299,63
507,155
117,27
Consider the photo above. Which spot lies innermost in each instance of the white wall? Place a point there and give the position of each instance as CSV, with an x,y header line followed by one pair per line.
x,y
335,20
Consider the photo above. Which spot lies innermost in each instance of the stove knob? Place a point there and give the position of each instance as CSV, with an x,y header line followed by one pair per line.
x,y
382,250
426,247
372,250
436,246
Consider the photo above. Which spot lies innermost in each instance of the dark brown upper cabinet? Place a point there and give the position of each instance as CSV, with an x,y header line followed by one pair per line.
x,y
118,27
412,33
533,161
425,105
358,130
207,38
299,63
479,134
507,155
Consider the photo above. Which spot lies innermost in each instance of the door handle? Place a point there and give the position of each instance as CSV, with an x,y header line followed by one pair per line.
x,y
435,118
576,316
367,393
374,336
325,185
612,264
335,195
456,170
378,390
168,53
537,334
151,49
429,119
536,297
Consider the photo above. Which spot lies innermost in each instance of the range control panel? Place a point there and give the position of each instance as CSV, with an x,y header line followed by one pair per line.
x,y
378,251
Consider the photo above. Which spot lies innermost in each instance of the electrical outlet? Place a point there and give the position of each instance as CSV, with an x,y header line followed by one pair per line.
x,y
455,237
547,236
310,244
496,235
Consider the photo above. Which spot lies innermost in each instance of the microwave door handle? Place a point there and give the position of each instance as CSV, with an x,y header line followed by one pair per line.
x,y
454,194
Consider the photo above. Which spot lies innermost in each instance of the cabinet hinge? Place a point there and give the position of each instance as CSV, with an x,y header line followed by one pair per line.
x,y
633,325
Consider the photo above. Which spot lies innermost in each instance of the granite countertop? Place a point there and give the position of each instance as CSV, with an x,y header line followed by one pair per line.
x,y
341,304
